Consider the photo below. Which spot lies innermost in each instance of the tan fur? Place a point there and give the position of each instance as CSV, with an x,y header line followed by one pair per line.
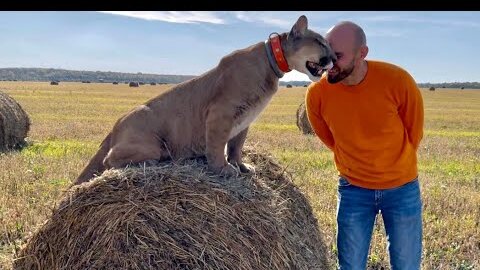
x,y
201,116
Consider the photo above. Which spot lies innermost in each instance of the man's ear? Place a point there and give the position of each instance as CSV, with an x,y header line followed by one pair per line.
x,y
363,51
299,28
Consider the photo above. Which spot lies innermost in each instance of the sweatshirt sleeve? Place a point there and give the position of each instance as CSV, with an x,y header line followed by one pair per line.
x,y
411,110
319,126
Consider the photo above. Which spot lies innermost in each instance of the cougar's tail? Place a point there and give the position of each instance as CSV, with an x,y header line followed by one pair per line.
x,y
95,165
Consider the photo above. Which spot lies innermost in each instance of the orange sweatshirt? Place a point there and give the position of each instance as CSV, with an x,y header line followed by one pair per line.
x,y
373,128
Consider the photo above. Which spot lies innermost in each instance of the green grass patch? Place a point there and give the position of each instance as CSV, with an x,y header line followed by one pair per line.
x,y
460,169
309,159
277,127
57,149
452,133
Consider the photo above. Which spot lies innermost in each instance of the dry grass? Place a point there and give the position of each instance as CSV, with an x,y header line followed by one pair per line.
x,y
70,120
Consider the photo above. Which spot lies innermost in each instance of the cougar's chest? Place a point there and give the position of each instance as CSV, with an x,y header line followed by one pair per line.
x,y
246,113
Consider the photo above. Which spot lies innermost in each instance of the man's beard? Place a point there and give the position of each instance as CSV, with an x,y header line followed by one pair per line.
x,y
342,74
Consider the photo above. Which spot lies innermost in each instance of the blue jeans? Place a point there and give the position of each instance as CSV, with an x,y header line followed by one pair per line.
x,y
401,210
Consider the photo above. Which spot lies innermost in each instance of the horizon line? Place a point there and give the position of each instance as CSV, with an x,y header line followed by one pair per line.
x,y
142,73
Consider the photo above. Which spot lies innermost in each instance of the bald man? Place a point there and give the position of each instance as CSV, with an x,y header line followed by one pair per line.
x,y
370,114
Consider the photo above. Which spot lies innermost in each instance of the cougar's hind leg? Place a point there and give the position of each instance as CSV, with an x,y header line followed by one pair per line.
x,y
95,165
121,155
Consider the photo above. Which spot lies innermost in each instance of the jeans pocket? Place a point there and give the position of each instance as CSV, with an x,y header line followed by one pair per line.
x,y
342,182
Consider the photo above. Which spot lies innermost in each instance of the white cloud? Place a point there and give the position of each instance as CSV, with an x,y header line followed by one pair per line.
x,y
267,18
173,16
283,20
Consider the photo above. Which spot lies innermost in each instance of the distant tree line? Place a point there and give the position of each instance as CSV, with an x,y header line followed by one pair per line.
x,y
294,83
50,74
459,85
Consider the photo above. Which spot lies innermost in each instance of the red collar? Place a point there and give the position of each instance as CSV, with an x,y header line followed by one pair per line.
x,y
278,52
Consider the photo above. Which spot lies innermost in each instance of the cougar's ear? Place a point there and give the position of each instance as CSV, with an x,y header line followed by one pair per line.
x,y
299,27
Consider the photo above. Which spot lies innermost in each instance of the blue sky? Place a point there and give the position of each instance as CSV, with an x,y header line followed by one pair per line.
x,y
434,46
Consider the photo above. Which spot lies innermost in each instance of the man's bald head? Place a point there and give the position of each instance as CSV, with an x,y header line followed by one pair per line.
x,y
349,32
349,43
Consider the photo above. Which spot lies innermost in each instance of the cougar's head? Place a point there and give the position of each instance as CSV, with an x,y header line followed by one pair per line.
x,y
307,51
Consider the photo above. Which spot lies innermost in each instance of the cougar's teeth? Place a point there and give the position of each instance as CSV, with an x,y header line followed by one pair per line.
x,y
329,66
314,68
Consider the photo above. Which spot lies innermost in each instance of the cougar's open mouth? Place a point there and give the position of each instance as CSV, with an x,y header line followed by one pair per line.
x,y
317,70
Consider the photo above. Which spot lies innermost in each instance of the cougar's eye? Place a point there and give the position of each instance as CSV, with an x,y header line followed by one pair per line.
x,y
324,61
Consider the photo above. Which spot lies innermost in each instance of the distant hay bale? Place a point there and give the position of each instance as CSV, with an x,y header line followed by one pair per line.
x,y
432,88
133,84
14,124
180,216
302,120
53,83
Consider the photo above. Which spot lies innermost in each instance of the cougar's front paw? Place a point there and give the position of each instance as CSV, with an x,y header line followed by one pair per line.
x,y
150,162
227,170
243,167
246,168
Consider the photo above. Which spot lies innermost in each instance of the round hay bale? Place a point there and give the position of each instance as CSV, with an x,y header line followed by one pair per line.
x,y
180,216
302,120
14,124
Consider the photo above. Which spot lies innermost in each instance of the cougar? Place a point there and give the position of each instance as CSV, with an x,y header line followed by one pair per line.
x,y
201,116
